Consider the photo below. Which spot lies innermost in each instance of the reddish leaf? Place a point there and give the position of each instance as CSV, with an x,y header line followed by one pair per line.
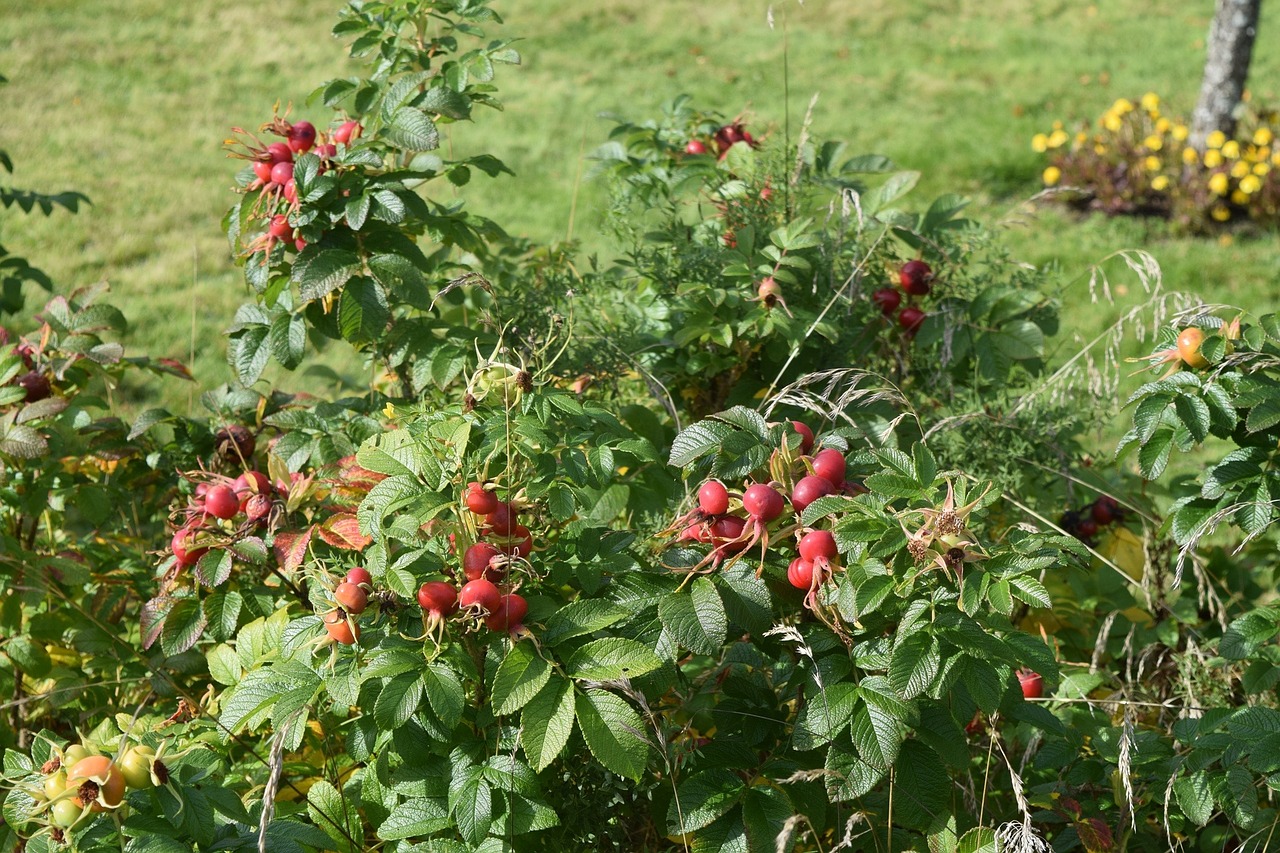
x,y
1095,835
153,615
291,548
343,531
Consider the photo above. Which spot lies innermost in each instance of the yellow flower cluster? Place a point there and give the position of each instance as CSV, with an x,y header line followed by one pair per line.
x,y
1232,171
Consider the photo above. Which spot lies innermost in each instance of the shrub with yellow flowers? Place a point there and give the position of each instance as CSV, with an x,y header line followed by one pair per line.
x,y
1136,161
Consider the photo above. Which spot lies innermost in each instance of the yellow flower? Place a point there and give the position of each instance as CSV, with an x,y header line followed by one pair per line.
x,y
1220,213
1261,169
1239,169
1153,143
1057,125
1163,125
1250,184
1218,184
1263,136
1112,122
1099,148
1151,102
1190,156
1231,149
1160,183
1264,152
1215,139
1122,106
1180,132
1039,143
1239,197
1275,159
1057,138
1051,176
1213,158
1082,138
1152,164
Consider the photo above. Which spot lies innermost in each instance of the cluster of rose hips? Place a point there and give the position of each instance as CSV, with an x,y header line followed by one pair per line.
x,y
273,170
764,506
220,505
723,139
486,564
35,383
79,782
351,596
916,279
501,542
1086,522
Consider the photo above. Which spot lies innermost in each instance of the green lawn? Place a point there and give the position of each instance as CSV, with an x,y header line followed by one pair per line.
x,y
128,101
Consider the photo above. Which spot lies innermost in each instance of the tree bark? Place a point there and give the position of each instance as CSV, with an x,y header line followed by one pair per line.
x,y
1230,47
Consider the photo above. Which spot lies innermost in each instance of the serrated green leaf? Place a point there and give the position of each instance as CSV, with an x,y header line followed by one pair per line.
x,y
182,626
411,130
324,271
612,658
398,700
697,441
547,723
702,798
679,615
1154,455
578,618
414,818
614,732
520,676
914,664
877,736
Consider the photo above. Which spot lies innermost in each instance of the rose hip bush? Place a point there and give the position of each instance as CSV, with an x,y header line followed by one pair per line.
x,y
777,533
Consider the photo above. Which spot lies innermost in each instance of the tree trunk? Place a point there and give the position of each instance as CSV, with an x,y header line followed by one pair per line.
x,y
1231,35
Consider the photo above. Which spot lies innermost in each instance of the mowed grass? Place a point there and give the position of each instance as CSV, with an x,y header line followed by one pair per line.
x,y
129,101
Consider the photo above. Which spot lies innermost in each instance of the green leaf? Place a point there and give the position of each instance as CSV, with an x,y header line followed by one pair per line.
x,y
850,777
920,771
1195,797
183,626
1246,634
584,616
249,351
334,813
681,616
363,312
547,723
398,700
288,339
914,664
471,803
611,658
520,676
29,656
877,735
614,732
825,715
697,441
1154,455
898,185
445,693
702,798
324,271
213,568
980,839
1193,412
765,811
414,818
411,130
